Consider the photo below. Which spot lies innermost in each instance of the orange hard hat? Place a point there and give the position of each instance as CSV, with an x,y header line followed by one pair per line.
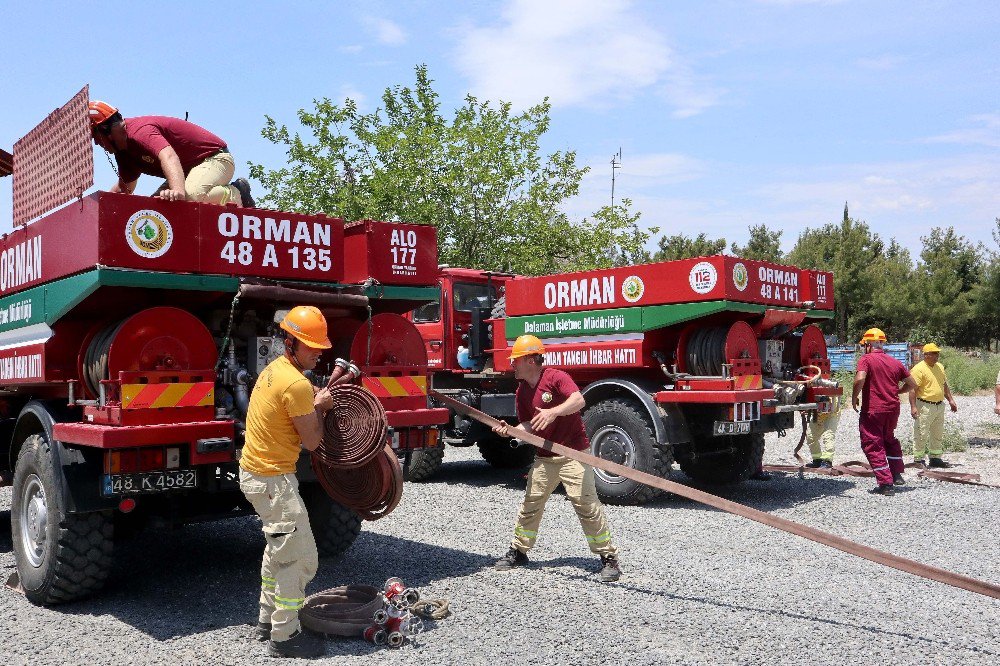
x,y
307,324
526,345
100,112
873,335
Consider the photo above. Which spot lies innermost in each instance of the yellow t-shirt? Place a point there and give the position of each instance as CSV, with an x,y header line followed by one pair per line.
x,y
930,381
272,444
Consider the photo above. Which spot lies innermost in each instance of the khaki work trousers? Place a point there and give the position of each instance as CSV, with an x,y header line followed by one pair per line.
x,y
578,480
290,557
928,430
822,436
208,182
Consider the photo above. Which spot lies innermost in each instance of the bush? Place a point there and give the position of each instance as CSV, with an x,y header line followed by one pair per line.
x,y
968,374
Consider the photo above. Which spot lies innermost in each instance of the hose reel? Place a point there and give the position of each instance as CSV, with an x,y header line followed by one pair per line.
x,y
703,351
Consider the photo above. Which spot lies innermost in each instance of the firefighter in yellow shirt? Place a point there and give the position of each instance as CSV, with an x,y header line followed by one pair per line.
x,y
284,417
927,407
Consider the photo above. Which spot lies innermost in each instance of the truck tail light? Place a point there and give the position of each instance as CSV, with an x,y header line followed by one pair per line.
x,y
432,437
150,459
173,458
127,460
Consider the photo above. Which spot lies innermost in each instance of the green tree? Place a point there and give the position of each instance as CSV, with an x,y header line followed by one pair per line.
x,y
987,303
479,176
681,246
894,303
949,277
763,245
847,249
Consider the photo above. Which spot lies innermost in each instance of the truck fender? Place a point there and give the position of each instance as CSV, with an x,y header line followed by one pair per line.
x,y
38,416
669,424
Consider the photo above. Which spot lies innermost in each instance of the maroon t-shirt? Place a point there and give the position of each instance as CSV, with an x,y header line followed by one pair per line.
x,y
148,135
880,392
552,389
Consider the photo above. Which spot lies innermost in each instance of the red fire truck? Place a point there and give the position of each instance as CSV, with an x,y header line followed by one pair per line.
x,y
688,361
132,330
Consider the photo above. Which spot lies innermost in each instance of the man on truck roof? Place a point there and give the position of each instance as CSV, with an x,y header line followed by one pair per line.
x,y
284,417
196,164
548,404
881,379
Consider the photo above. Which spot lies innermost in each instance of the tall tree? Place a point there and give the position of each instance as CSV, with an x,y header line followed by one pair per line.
x,y
479,176
681,246
949,275
763,245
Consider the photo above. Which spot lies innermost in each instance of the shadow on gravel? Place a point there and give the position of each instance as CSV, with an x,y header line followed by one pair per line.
x,y
782,491
171,583
478,474
6,543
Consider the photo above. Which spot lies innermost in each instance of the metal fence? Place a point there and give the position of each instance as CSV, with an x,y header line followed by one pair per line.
x,y
846,358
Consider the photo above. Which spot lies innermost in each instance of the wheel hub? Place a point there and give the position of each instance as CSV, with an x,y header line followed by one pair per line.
x,y
614,445
34,520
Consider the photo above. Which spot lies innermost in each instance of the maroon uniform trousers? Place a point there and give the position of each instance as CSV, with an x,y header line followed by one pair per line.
x,y
878,441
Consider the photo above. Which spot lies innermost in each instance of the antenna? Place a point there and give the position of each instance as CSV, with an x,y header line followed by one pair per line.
x,y
616,163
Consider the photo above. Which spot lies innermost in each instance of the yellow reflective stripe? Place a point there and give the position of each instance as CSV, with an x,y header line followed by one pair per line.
x,y
520,531
600,538
290,604
268,582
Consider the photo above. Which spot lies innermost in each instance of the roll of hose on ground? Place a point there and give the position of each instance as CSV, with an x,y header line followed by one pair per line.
x,y
341,611
354,463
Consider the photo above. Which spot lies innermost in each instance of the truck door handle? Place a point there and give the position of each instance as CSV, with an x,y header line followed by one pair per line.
x,y
435,344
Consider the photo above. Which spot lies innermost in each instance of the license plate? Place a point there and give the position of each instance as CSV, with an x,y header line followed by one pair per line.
x,y
731,428
150,482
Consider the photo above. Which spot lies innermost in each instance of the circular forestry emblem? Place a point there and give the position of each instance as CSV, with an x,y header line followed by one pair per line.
x,y
702,277
149,233
633,288
740,276
546,397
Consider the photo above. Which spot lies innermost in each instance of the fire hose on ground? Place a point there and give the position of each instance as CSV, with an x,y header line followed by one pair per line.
x,y
879,557
354,463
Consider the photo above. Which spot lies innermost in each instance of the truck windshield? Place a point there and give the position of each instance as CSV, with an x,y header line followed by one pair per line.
x,y
468,295
428,312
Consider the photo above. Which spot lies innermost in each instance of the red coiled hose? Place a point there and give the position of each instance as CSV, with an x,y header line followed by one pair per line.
x,y
372,490
353,430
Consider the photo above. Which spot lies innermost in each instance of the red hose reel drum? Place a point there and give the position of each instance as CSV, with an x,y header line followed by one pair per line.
x,y
703,350
161,338
812,347
390,340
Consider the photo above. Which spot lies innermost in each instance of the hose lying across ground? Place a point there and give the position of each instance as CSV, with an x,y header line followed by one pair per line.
x,y
353,463
880,557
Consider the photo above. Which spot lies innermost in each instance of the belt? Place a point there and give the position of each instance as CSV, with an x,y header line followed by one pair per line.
x,y
929,402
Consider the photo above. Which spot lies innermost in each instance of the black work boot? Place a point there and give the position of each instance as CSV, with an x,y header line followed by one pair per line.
x,y
938,462
826,464
898,480
299,646
262,631
243,185
513,558
886,490
610,569
815,464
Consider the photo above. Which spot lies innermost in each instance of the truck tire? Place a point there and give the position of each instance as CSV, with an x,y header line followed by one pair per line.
x,y
620,431
334,526
424,463
60,557
498,452
722,460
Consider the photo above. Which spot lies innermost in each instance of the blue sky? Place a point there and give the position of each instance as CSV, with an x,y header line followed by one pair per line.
x,y
728,113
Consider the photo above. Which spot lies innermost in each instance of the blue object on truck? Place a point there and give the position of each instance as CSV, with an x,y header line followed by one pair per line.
x,y
846,358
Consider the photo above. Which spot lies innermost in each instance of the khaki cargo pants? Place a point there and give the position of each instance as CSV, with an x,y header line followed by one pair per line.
x,y
208,182
578,480
822,436
928,430
290,557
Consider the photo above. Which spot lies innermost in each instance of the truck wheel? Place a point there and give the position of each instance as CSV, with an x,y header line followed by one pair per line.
x,y
424,463
721,460
334,526
60,557
498,452
620,431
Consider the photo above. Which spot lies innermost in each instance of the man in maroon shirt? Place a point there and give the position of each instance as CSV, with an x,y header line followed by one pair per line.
x,y
878,380
195,163
548,404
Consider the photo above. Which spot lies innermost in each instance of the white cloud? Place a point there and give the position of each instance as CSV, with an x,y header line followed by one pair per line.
x,y
987,134
350,48
649,169
348,90
387,32
576,52
880,63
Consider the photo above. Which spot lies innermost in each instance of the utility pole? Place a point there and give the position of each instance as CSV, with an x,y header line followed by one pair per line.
x,y
616,163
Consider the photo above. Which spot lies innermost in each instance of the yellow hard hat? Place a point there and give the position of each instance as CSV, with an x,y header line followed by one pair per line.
x,y
307,324
931,347
526,345
873,335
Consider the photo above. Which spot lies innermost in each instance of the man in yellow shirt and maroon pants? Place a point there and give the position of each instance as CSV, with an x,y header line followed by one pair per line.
x,y
927,407
284,417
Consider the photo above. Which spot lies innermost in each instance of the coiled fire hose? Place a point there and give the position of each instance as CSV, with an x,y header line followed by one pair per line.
x,y
353,462
348,610
880,557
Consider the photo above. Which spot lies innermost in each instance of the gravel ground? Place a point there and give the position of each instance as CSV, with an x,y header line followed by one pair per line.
x,y
700,586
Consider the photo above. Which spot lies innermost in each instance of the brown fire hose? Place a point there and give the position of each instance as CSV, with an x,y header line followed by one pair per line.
x,y
341,611
811,533
353,463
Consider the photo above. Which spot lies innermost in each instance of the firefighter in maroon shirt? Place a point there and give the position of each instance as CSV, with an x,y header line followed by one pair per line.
x,y
878,380
195,163
548,405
